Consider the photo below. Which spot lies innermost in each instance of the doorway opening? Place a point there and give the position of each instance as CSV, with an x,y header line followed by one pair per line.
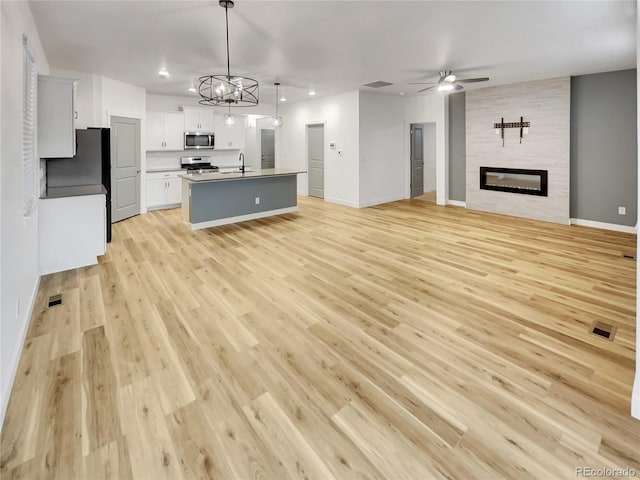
x,y
315,159
422,158
267,148
125,167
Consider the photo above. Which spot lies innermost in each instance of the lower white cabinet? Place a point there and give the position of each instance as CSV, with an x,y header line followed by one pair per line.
x,y
164,189
72,232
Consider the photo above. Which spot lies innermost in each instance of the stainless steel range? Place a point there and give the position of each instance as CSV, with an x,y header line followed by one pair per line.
x,y
195,165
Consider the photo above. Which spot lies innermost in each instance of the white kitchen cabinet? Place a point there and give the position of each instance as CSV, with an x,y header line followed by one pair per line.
x,y
198,119
165,131
229,138
56,117
164,189
72,232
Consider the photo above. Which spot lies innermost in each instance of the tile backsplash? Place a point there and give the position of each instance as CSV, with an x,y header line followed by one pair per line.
x,y
221,158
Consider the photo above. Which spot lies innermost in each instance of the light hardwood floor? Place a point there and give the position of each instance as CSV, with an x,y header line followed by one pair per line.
x,y
405,341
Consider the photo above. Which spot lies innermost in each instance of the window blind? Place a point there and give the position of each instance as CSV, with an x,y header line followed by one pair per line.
x,y
28,128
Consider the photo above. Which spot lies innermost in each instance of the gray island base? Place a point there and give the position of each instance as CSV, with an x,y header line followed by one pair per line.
x,y
214,199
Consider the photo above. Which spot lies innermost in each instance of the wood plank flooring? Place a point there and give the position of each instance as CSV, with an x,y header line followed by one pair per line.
x,y
404,341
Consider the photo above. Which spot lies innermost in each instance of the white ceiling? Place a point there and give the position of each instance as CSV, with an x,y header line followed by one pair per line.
x,y
336,46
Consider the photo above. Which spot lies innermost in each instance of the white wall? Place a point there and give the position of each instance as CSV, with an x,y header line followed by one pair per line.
x,y
19,258
382,154
635,396
544,103
429,155
340,115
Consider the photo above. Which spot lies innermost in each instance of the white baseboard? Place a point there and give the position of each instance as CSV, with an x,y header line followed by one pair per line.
x,y
341,202
241,218
457,203
16,360
380,201
605,226
635,397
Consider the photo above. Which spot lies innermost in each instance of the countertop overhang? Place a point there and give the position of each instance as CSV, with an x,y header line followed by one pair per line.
x,y
257,173
74,191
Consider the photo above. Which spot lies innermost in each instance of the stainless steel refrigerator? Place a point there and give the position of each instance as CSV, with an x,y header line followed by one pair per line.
x,y
90,166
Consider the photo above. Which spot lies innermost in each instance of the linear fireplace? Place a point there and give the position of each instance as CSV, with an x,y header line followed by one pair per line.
x,y
514,180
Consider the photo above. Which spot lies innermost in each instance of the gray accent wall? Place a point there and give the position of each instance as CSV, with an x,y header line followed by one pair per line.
x,y
604,147
232,198
457,147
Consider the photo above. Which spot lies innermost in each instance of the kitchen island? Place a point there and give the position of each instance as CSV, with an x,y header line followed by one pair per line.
x,y
220,198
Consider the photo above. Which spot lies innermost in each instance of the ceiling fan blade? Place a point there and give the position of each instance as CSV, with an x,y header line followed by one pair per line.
x,y
472,80
458,87
422,83
424,89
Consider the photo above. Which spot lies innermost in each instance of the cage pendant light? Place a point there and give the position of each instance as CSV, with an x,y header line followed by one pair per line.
x,y
228,90
277,120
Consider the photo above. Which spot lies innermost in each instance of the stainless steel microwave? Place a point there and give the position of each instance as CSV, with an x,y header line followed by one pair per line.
x,y
198,140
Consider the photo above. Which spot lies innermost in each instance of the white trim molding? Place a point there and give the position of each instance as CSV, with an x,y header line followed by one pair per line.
x,y
16,360
605,226
380,201
241,218
635,397
457,203
340,202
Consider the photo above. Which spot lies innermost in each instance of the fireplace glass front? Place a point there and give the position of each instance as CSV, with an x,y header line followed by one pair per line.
x,y
514,180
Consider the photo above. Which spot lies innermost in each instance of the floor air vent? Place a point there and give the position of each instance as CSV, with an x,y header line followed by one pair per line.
x,y
55,300
603,330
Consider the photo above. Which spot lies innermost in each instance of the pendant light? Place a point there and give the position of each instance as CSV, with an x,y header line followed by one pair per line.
x,y
227,90
277,120
229,118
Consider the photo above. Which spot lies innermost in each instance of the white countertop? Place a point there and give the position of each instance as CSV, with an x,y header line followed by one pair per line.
x,y
254,173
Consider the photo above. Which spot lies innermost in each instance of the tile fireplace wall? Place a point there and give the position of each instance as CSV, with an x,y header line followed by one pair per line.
x,y
544,103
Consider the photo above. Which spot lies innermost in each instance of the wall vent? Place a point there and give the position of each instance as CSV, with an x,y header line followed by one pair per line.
x,y
603,330
377,84
55,300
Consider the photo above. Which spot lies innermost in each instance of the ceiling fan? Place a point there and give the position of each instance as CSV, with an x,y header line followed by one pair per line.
x,y
448,82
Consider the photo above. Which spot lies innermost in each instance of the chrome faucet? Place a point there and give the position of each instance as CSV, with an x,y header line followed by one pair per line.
x,y
241,158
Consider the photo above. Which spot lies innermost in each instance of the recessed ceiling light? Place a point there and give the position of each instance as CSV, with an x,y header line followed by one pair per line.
x,y
192,89
401,93
312,93
163,72
283,99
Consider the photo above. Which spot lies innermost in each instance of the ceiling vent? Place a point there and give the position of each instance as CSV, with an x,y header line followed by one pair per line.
x,y
377,84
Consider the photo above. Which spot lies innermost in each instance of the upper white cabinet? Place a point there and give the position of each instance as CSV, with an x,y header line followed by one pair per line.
x,y
165,130
198,119
229,138
56,117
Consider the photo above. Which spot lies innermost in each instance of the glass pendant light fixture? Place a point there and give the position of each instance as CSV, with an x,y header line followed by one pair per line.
x,y
227,90
229,118
277,120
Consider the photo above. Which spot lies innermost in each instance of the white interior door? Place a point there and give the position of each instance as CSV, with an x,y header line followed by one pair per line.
x,y
125,168
315,156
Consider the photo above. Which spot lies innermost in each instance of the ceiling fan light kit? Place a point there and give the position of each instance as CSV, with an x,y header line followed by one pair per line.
x,y
227,90
448,82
